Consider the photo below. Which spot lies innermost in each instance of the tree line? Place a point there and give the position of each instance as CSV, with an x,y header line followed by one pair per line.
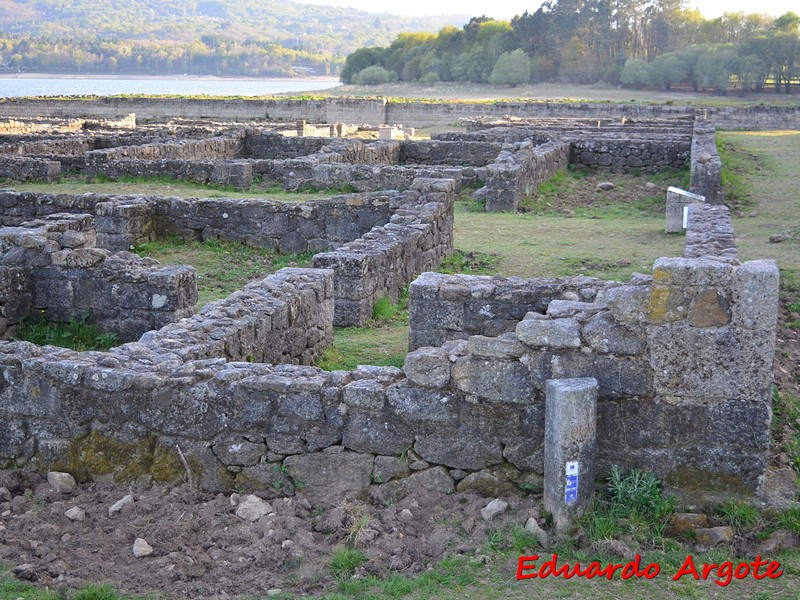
x,y
629,42
199,37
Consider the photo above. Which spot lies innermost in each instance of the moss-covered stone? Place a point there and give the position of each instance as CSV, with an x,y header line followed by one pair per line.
x,y
96,455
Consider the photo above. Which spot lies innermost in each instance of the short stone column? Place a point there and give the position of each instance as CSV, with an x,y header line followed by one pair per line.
x,y
677,200
570,444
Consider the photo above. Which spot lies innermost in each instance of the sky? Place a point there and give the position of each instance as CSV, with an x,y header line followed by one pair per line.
x,y
505,9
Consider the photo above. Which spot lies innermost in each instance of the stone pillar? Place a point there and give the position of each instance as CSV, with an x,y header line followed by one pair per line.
x,y
570,444
677,199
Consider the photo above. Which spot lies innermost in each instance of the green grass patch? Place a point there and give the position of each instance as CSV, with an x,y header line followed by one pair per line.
x,y
735,163
170,186
738,514
79,334
222,267
470,263
344,561
383,342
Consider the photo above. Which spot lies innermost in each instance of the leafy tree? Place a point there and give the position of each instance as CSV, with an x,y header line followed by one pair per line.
x,y
668,69
360,60
715,67
512,68
375,75
635,73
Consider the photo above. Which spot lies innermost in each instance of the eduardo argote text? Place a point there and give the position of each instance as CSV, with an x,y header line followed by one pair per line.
x,y
722,574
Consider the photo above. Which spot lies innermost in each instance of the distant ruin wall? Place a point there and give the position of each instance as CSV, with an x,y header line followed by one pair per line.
x,y
386,112
29,169
706,165
622,154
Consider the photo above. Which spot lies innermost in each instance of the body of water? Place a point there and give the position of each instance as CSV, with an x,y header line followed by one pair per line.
x,y
15,87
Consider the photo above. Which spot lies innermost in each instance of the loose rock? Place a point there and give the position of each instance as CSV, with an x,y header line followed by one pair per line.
x,y
494,508
714,536
141,548
120,504
252,508
76,513
62,483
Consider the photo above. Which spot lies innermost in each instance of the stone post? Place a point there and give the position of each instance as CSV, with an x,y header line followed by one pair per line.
x,y
570,446
677,199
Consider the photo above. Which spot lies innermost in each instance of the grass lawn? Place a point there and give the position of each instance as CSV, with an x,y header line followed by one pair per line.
x,y
163,186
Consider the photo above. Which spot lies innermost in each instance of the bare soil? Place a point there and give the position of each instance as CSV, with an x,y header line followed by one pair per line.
x,y
201,549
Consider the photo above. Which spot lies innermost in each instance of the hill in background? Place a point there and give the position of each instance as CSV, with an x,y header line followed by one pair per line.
x,y
197,37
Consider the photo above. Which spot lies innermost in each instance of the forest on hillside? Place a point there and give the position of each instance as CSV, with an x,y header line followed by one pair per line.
x,y
253,38
636,43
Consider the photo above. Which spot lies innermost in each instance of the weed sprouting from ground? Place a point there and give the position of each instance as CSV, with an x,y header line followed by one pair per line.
x,y
345,561
739,515
632,505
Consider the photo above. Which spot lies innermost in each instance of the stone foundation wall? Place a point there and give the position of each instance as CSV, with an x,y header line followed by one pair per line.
x,y
383,111
29,169
706,165
52,270
671,400
387,258
234,173
518,173
623,155
456,153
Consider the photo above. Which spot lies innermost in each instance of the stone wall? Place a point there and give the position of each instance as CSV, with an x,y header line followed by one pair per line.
x,y
518,173
683,364
52,270
387,258
382,239
383,111
623,154
29,169
444,308
709,233
706,165
234,173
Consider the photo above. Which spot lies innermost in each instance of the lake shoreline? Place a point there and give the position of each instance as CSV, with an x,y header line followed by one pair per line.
x,y
321,78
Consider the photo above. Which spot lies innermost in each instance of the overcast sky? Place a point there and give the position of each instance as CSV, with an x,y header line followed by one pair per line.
x,y
505,9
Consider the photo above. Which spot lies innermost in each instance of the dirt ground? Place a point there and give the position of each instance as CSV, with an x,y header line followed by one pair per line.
x,y
202,549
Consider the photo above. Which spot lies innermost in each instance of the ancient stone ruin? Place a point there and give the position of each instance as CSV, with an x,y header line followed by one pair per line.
x,y
682,358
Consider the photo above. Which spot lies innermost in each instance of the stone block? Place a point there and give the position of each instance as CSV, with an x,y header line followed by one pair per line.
x,y
503,346
694,272
387,468
606,335
377,434
755,295
428,367
555,333
494,379
328,478
413,404
465,446
365,393
716,362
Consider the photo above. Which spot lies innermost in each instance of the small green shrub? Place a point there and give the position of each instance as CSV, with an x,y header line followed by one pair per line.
x,y
345,561
789,519
97,592
739,515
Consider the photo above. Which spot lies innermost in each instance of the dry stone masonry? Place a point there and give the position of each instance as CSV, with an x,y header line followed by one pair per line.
x,y
680,360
